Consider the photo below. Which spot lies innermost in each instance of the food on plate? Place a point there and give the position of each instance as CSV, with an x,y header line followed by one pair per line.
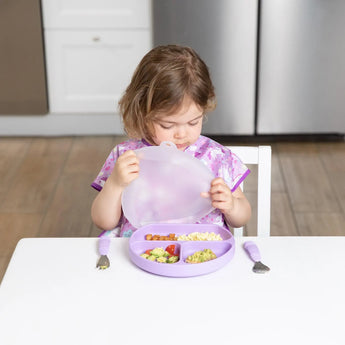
x,y
167,255
161,259
172,259
170,237
171,249
201,256
200,236
158,252
194,236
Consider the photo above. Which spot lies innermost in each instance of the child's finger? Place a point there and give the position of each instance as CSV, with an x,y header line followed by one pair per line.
x,y
129,154
217,181
219,197
219,188
130,166
125,161
205,194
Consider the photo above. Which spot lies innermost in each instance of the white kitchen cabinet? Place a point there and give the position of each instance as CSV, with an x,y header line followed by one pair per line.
x,y
92,49
76,14
89,70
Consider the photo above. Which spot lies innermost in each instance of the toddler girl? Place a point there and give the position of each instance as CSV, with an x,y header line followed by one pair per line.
x,y
167,100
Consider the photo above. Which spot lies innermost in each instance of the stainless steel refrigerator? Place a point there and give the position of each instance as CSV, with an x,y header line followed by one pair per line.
x,y
301,67
223,32
278,66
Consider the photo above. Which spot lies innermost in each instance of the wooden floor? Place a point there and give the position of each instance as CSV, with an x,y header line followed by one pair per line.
x,y
45,188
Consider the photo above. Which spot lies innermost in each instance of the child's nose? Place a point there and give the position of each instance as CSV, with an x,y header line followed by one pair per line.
x,y
180,132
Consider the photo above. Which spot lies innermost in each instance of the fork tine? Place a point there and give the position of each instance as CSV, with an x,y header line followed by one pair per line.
x,y
103,262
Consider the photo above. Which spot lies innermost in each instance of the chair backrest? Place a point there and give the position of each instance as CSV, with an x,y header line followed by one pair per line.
x,y
260,155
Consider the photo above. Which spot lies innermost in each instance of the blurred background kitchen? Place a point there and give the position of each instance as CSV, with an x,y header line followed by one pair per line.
x,y
279,71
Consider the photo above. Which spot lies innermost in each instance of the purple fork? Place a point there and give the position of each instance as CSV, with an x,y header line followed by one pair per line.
x,y
103,248
254,253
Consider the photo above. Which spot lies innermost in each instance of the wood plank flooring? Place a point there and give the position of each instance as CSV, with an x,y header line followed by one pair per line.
x,y
45,188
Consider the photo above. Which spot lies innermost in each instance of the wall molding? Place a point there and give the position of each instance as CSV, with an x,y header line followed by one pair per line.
x,y
61,124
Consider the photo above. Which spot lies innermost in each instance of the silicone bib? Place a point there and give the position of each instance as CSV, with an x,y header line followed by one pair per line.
x,y
168,188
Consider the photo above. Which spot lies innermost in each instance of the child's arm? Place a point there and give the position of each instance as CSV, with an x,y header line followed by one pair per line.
x,y
106,208
234,206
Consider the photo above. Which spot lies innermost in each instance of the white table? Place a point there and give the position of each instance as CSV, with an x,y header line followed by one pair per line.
x,y
53,294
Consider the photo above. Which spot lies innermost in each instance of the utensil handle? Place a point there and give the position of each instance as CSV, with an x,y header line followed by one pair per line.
x,y
103,245
253,251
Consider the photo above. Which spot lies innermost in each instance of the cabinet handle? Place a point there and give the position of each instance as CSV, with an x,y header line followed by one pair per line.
x,y
96,39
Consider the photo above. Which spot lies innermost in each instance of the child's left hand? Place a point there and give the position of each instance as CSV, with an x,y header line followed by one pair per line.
x,y
220,195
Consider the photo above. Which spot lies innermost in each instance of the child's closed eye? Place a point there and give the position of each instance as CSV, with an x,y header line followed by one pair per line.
x,y
166,126
193,123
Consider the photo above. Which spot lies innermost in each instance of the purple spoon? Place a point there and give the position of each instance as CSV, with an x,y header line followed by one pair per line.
x,y
254,253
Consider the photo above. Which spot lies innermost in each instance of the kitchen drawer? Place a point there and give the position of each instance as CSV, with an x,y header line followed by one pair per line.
x,y
107,14
89,70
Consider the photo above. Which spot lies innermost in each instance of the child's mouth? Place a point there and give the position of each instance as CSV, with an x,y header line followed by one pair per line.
x,y
181,146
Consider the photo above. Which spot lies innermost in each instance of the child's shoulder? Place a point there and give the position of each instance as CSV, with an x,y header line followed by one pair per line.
x,y
130,144
205,145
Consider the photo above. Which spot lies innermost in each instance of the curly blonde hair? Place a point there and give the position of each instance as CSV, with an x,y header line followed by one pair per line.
x,y
160,83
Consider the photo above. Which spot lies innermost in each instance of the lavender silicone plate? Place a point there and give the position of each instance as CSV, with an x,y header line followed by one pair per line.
x,y
224,249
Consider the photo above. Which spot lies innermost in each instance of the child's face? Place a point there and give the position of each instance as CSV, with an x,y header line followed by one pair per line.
x,y
182,128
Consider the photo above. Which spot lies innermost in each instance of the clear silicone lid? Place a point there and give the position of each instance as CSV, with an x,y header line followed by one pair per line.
x,y
168,188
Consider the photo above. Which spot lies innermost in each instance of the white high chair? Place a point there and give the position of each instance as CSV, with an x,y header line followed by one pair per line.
x,y
260,155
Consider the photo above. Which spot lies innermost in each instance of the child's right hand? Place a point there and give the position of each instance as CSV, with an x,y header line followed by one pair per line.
x,y
126,169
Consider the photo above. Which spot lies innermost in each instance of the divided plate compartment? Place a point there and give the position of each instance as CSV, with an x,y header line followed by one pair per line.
x,y
224,249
